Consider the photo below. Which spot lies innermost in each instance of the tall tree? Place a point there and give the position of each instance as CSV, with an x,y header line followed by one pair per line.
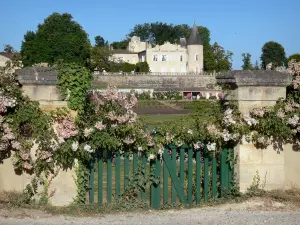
x,y
120,44
256,67
247,61
8,48
273,52
223,58
294,56
100,42
58,38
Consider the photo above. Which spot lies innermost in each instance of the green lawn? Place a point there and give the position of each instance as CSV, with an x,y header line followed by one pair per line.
x,y
157,120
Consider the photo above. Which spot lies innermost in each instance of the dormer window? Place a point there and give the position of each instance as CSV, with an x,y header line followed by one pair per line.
x,y
154,58
164,58
181,58
197,58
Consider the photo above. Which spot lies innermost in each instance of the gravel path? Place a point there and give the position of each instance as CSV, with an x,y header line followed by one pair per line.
x,y
237,214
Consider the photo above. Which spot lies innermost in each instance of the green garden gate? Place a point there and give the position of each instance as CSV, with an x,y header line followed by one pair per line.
x,y
184,175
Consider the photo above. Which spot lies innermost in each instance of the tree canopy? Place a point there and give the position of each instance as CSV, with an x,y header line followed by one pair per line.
x,y
100,42
8,48
247,61
58,38
273,52
294,56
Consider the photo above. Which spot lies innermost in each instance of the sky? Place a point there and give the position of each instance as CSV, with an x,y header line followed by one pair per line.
x,y
239,26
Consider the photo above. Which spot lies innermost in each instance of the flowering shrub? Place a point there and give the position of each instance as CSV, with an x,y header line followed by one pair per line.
x,y
22,126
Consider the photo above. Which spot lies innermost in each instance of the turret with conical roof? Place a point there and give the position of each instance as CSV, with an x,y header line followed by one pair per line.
x,y
195,51
195,38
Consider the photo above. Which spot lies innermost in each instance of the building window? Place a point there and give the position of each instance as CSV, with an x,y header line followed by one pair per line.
x,y
181,58
154,58
196,57
164,58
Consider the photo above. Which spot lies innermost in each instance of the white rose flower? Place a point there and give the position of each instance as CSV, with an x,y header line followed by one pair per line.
x,y
211,147
88,148
151,156
75,146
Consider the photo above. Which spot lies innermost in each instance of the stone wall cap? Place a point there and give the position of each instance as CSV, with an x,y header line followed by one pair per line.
x,y
255,78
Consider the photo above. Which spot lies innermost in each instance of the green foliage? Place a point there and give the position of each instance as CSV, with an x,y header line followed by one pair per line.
x,y
120,44
101,60
257,188
73,82
140,181
100,42
58,38
256,67
8,48
142,67
82,181
294,56
247,61
273,52
128,67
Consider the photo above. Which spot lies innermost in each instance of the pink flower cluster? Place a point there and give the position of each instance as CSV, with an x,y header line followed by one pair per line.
x,y
296,82
66,128
129,140
8,139
100,126
127,101
280,114
149,138
212,129
46,155
258,112
228,118
6,102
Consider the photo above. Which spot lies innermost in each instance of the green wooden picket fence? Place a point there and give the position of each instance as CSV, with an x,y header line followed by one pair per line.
x,y
189,180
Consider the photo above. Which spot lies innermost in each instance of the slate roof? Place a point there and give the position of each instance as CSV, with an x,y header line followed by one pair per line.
x,y
37,75
7,54
123,51
195,38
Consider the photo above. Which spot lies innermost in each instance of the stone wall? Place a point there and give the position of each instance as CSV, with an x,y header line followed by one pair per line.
x,y
63,184
182,82
277,169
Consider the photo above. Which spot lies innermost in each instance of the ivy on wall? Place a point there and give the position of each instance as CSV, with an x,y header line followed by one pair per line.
x,y
73,82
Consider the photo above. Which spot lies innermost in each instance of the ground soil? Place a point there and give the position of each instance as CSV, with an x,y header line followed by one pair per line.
x,y
253,211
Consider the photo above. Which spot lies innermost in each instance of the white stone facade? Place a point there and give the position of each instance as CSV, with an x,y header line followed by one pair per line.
x,y
166,58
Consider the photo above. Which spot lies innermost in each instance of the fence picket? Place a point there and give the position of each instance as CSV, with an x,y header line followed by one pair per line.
x,y
224,171
118,173
165,183
155,188
206,178
92,178
126,170
182,166
198,177
190,176
109,177
144,163
214,177
100,179
174,193
135,162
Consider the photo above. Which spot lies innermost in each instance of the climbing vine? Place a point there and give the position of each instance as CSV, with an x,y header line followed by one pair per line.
x,y
73,82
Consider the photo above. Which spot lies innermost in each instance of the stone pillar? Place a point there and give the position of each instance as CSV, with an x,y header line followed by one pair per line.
x,y
254,89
